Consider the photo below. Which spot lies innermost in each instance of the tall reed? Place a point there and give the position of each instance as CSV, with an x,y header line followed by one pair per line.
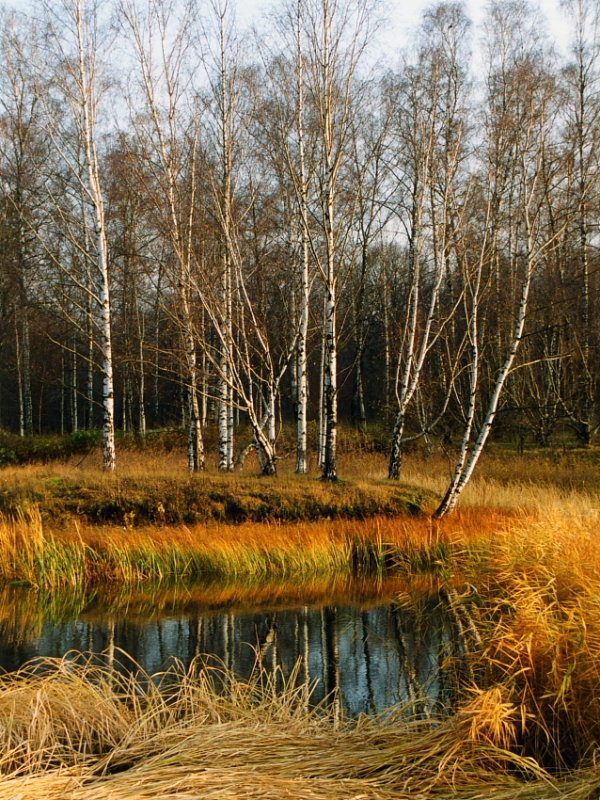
x,y
82,555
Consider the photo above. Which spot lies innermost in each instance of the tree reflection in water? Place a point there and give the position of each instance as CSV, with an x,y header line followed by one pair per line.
x,y
366,659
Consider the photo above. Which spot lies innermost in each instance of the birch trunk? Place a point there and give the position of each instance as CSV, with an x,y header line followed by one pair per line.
x,y
468,461
88,110
330,388
329,203
409,375
19,359
301,350
224,199
171,162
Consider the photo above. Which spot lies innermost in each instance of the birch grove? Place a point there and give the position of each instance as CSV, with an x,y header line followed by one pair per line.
x,y
254,237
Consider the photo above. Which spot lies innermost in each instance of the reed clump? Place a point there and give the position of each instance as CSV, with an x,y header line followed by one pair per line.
x,y
82,555
529,615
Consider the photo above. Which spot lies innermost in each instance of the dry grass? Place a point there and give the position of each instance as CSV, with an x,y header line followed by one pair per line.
x,y
158,491
540,611
78,731
155,487
81,555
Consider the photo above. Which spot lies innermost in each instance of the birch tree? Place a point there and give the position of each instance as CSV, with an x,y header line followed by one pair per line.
x,y
169,129
251,356
289,144
521,115
222,65
75,84
430,109
336,35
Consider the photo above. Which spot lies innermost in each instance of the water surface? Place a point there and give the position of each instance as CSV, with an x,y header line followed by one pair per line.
x,y
367,647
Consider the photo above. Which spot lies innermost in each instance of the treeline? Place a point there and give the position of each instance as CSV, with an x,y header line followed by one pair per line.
x,y
198,228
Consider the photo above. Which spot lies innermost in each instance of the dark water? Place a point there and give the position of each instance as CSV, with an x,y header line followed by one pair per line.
x,y
375,656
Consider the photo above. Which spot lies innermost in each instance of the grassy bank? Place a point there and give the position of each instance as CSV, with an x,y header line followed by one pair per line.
x,y
79,556
54,533
157,492
155,488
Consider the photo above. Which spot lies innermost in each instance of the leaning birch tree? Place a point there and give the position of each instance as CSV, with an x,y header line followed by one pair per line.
x,y
521,115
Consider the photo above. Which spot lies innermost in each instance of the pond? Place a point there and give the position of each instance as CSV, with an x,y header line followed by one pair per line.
x,y
371,646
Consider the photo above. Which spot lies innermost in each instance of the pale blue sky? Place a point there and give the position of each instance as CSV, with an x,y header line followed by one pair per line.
x,y
403,16
407,14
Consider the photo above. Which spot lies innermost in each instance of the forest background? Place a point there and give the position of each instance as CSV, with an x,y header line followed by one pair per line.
x,y
200,229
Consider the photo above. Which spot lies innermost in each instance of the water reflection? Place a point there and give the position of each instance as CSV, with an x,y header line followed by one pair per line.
x,y
375,655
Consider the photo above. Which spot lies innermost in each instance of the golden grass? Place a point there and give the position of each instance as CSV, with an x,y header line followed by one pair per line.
x,y
503,481
79,555
78,731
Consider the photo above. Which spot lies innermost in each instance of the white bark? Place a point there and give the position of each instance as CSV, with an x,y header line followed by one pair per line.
x,y
522,197
468,460
301,351
88,109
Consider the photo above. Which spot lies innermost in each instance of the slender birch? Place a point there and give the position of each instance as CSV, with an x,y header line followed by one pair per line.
x,y
337,37
529,118
434,147
162,47
74,31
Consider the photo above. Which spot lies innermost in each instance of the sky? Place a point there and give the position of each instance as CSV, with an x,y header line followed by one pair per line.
x,y
406,14
403,18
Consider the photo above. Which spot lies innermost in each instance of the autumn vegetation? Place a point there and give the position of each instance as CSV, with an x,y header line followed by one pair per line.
x,y
212,232
268,311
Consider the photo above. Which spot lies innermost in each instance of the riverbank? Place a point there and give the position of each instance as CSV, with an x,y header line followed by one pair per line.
x,y
158,493
67,526
522,591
